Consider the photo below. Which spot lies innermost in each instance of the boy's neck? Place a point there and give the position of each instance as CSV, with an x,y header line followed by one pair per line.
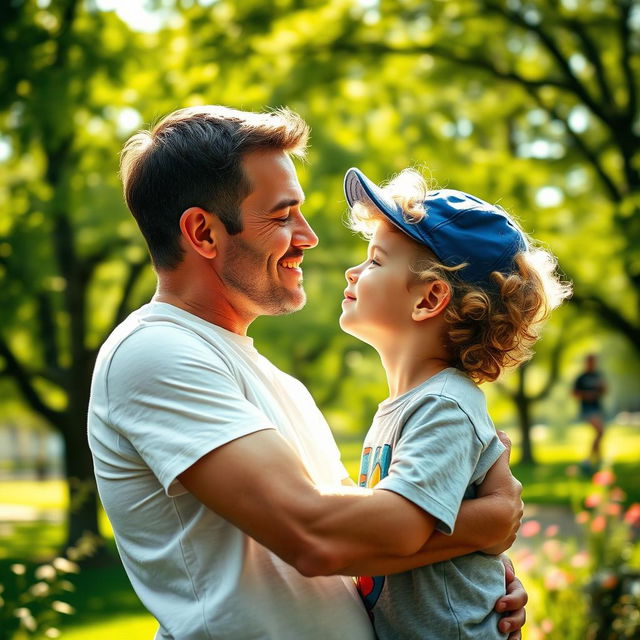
x,y
408,365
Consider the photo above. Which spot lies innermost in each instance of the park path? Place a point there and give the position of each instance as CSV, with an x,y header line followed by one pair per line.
x,y
559,515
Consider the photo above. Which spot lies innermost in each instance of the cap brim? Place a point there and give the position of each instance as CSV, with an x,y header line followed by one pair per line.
x,y
358,188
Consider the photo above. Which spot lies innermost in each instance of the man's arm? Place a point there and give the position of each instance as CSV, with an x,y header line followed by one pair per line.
x,y
489,523
259,484
512,604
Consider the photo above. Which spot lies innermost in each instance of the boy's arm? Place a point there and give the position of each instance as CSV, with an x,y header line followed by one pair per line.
x,y
488,523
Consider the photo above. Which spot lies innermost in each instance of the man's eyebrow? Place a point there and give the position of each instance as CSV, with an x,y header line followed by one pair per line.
x,y
285,204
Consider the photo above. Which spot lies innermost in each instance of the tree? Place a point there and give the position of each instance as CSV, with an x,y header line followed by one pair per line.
x,y
59,232
522,394
576,65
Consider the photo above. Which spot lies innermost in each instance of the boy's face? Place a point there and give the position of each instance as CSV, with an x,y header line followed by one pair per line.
x,y
380,293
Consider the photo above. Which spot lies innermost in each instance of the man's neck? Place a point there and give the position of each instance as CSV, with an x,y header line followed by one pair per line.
x,y
208,303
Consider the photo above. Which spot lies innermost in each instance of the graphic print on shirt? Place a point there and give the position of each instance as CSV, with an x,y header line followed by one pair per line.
x,y
373,467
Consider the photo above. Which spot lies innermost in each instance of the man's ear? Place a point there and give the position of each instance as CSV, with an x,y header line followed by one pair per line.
x,y
433,298
198,228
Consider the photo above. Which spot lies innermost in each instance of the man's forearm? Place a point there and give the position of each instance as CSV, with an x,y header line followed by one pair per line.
x,y
481,523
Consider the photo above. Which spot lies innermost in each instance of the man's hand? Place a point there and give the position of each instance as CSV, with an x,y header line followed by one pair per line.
x,y
512,604
500,482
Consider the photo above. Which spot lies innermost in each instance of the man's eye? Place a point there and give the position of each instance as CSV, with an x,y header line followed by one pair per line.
x,y
282,219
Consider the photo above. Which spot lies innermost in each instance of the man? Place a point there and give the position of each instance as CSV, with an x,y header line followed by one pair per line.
x,y
218,472
589,388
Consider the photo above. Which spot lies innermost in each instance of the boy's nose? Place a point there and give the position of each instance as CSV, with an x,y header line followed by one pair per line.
x,y
351,274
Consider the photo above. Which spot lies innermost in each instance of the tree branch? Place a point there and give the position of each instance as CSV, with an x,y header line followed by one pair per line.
x,y
64,40
502,388
135,270
609,314
14,369
47,330
92,262
625,39
441,52
593,56
554,369
578,88
589,154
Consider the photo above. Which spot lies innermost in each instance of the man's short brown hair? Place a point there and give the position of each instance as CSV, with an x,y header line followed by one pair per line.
x,y
193,158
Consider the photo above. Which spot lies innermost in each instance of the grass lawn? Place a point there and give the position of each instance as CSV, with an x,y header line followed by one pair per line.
x,y
107,608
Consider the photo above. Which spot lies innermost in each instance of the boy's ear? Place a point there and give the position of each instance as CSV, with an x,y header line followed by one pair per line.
x,y
198,228
434,296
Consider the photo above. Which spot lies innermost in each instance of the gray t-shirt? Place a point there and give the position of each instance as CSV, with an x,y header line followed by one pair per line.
x,y
432,445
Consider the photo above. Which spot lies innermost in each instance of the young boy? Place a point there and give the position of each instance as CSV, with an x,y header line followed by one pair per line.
x,y
451,294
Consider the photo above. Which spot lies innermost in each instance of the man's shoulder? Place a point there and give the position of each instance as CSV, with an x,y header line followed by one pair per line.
x,y
148,346
139,334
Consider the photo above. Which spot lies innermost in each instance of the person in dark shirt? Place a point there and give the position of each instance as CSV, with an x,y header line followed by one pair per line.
x,y
589,388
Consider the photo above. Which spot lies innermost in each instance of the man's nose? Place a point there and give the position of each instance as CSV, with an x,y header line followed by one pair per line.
x,y
304,236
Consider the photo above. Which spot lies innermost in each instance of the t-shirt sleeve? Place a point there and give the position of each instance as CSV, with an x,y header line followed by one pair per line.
x,y
434,459
175,400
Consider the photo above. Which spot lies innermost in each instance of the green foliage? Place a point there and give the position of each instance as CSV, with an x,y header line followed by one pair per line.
x,y
30,596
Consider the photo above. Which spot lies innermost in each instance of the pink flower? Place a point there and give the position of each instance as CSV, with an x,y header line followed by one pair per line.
x,y
524,559
526,563
632,516
604,478
613,509
598,524
553,550
530,528
582,517
546,625
581,559
556,579
551,531
592,500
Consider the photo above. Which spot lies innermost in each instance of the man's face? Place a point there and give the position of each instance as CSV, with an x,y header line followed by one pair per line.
x,y
261,264
378,299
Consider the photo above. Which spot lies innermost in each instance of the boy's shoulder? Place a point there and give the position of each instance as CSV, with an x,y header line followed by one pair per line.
x,y
450,384
453,393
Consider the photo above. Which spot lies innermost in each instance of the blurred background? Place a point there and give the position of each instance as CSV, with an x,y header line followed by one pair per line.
x,y
529,104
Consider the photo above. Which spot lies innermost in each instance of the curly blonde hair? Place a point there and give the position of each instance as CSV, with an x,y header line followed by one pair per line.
x,y
489,329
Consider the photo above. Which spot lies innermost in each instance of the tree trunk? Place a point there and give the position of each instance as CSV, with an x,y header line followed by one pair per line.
x,y
523,406
82,515
524,418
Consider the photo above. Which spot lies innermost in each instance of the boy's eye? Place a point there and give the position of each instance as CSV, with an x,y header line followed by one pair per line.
x,y
373,261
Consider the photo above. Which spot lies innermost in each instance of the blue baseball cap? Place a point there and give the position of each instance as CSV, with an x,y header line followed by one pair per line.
x,y
458,227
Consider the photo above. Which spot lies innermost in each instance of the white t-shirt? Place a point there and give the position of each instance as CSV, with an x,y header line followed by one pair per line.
x,y
169,387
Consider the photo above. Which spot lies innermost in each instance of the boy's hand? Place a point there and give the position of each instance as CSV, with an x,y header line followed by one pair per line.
x,y
512,604
500,482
